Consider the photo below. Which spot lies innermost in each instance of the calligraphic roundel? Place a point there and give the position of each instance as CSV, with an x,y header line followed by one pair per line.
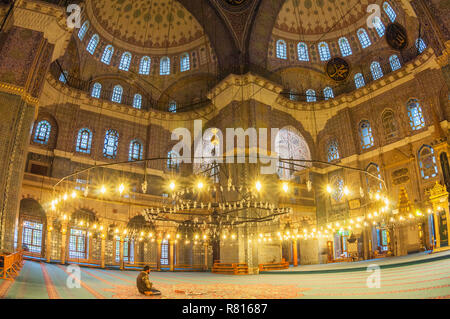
x,y
396,36
338,69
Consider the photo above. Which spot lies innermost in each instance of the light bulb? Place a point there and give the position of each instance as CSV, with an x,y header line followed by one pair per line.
x,y
329,189
200,185
103,189
258,186
172,185
285,187
121,188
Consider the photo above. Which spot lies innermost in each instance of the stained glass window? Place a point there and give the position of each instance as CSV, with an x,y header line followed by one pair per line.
x,y
333,150
117,94
63,77
172,106
427,162
92,45
165,252
125,61
144,66
328,93
344,45
107,54
83,30
84,141
311,96
365,132
136,152
96,90
281,49
420,45
415,115
324,51
395,62
359,80
164,66
389,11
302,51
32,236
110,144
185,64
173,161
379,26
42,133
137,101
364,38
377,72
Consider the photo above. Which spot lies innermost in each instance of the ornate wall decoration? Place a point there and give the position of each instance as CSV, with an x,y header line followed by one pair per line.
x,y
396,36
338,69
400,176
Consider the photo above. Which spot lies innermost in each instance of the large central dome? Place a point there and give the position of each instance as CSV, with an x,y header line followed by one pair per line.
x,y
145,23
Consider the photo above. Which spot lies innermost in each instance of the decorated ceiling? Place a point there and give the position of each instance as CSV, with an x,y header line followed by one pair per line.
x,y
313,17
146,23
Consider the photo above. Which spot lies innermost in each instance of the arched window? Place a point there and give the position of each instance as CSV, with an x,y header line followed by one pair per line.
x,y
332,150
377,72
125,61
172,106
374,185
92,45
42,133
365,132
117,94
389,125
137,101
107,54
416,119
389,11
164,66
311,96
136,152
173,161
291,145
379,26
165,254
185,64
324,51
144,66
111,143
96,90
344,45
293,95
395,62
84,141
427,162
281,50
359,80
302,51
420,45
128,250
337,184
83,30
328,93
364,38
63,77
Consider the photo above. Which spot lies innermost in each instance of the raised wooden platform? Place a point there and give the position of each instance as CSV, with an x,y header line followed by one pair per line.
x,y
274,266
10,265
230,268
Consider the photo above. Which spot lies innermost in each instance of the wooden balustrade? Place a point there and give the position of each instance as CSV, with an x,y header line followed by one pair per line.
x,y
11,265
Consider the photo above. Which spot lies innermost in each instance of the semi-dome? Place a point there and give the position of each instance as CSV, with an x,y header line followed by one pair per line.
x,y
145,24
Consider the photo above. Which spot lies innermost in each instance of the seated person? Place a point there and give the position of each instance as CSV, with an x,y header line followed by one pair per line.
x,y
143,283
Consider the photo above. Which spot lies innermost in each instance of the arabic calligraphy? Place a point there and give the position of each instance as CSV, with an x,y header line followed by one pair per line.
x,y
338,69
396,36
